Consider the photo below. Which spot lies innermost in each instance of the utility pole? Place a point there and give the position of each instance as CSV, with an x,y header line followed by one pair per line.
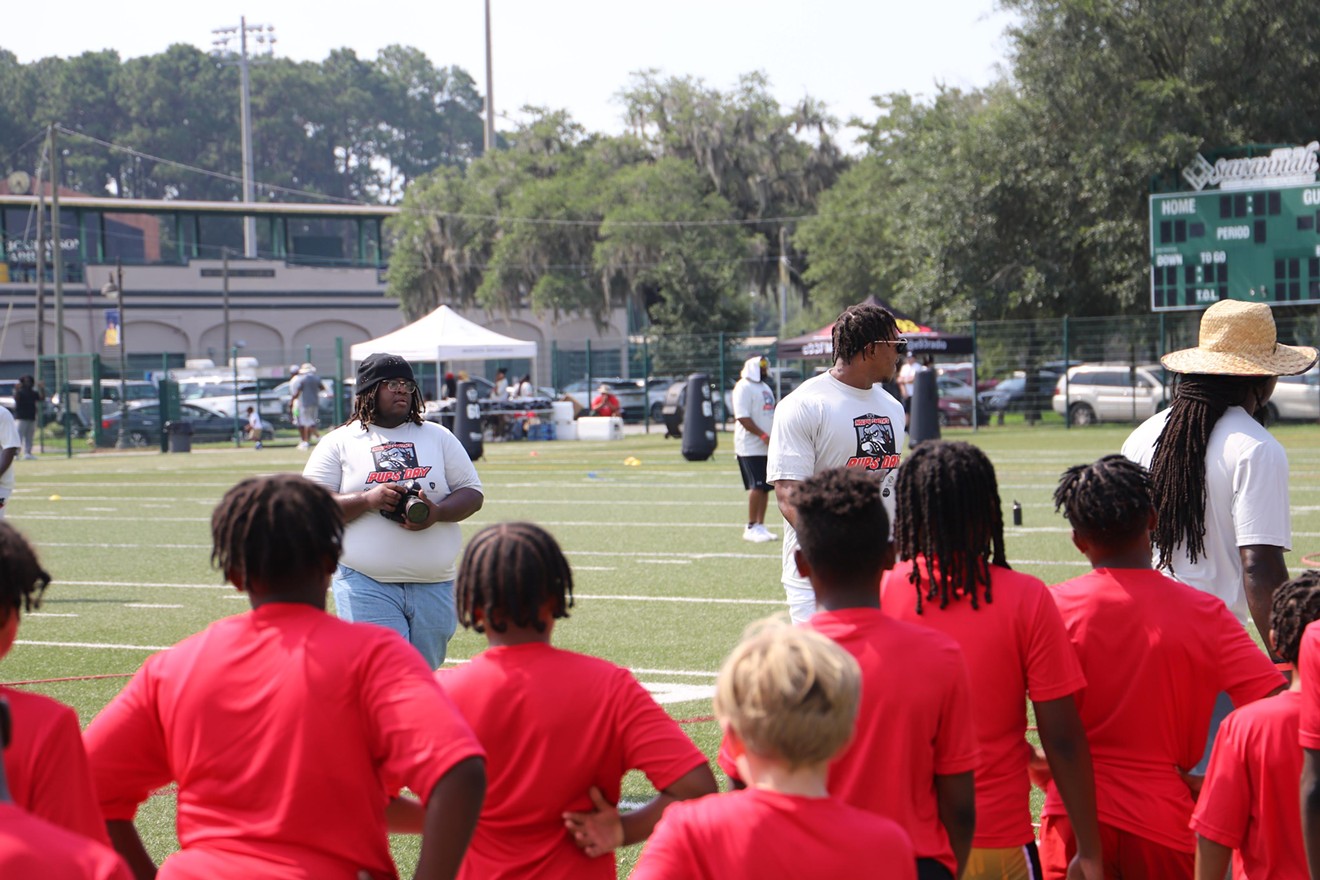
x,y
114,289
263,34
57,264
224,274
41,277
490,90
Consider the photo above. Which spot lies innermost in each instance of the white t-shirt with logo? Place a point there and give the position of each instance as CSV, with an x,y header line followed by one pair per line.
x,y
826,424
1246,500
755,401
353,459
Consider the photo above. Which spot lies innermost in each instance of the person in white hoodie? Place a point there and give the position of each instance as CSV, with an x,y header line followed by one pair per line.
x,y
754,414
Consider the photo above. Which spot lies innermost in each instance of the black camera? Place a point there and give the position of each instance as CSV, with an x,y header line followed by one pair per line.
x,y
411,508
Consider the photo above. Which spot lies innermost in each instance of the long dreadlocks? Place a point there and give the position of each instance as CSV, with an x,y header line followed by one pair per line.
x,y
858,326
949,515
364,406
509,571
1177,469
1108,500
1296,606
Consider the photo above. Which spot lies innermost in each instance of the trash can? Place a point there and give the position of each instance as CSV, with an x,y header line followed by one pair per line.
x,y
180,436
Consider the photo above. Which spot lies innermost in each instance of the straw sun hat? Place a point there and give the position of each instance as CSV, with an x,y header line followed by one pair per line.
x,y
1238,339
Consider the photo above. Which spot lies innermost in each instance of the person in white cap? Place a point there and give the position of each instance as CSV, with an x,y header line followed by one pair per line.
x,y
754,415
1218,478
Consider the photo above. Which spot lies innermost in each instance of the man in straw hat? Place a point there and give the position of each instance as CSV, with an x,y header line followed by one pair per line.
x,y
1218,479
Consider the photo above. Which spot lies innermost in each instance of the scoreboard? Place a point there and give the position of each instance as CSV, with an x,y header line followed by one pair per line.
x,y
1261,245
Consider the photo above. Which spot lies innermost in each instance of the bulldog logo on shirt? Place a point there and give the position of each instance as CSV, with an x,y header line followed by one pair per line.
x,y
396,462
876,449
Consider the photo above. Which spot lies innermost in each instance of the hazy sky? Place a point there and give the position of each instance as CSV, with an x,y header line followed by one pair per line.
x,y
578,54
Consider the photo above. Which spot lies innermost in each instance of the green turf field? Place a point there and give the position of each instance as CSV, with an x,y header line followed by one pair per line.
x,y
665,584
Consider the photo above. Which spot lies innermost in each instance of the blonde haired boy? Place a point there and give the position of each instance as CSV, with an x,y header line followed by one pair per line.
x,y
787,699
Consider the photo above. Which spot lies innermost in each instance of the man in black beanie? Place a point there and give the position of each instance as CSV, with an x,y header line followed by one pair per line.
x,y
403,485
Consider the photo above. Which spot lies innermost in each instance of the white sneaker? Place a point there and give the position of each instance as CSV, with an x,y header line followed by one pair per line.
x,y
766,534
757,534
304,445
29,457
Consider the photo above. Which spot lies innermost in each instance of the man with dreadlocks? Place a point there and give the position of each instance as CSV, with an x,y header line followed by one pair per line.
x,y
45,762
397,572
841,418
286,730
561,729
1219,480
954,578
1249,801
1155,653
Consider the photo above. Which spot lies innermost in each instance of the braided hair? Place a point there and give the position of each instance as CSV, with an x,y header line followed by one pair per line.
x,y
364,405
509,571
858,326
1296,606
272,529
949,515
1108,500
839,514
1177,470
22,579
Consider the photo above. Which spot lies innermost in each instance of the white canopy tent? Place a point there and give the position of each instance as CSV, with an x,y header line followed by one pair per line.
x,y
445,335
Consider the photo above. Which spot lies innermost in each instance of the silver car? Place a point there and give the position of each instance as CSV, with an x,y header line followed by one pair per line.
x,y
1296,398
1092,393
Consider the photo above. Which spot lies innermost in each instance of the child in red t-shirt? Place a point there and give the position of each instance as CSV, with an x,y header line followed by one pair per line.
x,y
1249,800
949,531
287,729
787,699
33,847
560,729
920,741
46,762
1156,654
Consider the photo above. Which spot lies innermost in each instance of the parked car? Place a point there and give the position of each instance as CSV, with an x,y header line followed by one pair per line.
x,y
7,387
953,388
1296,398
1092,393
81,409
220,396
958,413
144,425
963,371
1013,395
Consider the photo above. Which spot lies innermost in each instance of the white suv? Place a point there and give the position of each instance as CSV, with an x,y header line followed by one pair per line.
x,y
1091,393
1296,397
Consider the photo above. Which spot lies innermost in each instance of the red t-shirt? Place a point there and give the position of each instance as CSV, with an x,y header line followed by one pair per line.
x,y
1250,801
46,765
1015,647
31,847
287,731
554,723
1309,665
758,833
905,735
605,405
1156,654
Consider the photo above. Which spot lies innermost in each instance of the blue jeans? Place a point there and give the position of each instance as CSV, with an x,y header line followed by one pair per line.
x,y
424,614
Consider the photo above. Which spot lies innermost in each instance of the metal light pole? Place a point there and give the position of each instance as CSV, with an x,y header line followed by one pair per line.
x,y
489,130
224,274
262,34
114,288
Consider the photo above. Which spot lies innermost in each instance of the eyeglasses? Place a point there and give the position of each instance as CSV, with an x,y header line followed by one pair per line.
x,y
900,345
403,386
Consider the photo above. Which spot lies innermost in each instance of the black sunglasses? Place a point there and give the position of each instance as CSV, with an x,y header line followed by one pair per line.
x,y
900,345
